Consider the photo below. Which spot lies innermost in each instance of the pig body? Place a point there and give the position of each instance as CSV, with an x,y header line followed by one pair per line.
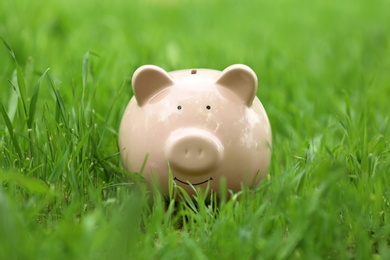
x,y
201,124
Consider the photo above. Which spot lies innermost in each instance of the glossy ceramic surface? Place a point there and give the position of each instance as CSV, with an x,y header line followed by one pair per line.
x,y
203,124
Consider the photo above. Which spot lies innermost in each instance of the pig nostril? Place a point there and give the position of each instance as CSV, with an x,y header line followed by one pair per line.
x,y
208,107
179,107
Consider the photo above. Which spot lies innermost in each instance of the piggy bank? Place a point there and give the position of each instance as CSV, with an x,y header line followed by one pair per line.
x,y
200,124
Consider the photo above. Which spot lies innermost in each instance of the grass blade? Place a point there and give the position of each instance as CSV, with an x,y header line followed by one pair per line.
x,y
21,86
11,131
54,176
60,103
8,48
31,184
34,99
85,70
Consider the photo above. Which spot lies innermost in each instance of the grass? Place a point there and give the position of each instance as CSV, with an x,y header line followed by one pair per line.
x,y
65,71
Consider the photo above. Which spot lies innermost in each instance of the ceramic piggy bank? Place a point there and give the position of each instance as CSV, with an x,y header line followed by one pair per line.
x,y
201,124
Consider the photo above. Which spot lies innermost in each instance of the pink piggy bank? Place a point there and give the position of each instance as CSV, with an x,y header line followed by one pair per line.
x,y
201,124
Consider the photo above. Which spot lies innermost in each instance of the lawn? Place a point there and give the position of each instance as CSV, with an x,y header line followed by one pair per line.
x,y
65,80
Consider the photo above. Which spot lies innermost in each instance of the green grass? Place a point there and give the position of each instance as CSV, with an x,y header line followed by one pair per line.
x,y
65,73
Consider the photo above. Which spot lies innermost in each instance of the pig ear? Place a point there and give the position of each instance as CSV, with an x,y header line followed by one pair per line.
x,y
241,80
147,81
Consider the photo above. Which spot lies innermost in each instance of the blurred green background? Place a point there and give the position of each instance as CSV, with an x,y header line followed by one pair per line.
x,y
324,79
302,51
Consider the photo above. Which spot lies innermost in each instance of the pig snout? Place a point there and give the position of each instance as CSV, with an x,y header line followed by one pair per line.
x,y
193,151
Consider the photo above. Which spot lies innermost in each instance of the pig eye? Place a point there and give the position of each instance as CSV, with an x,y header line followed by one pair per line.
x,y
179,107
208,107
